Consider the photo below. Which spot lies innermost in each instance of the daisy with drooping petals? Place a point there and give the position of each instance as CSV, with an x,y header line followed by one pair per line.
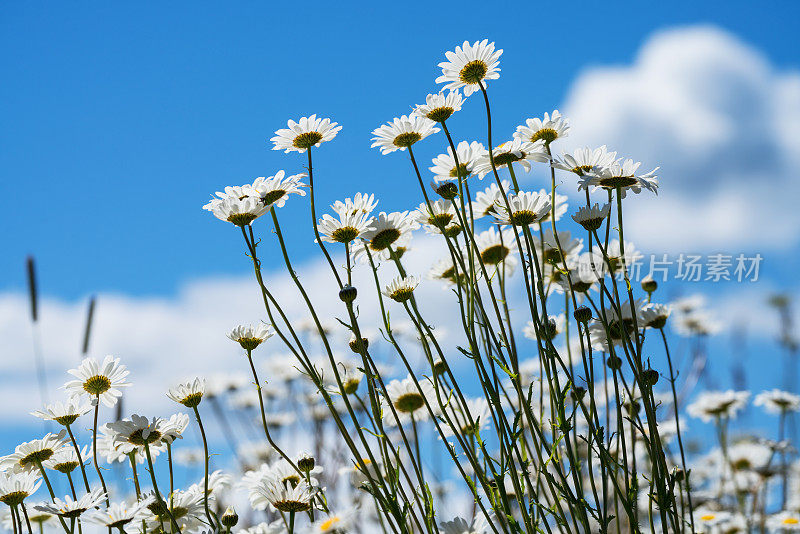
x,y
302,135
189,393
63,413
547,129
275,190
387,230
71,508
15,487
173,428
712,404
485,200
527,208
592,217
621,176
401,288
469,65
495,247
287,497
510,152
401,133
439,107
586,161
437,217
101,381
238,211
249,336
120,514
360,204
444,165
186,509
136,432
777,401
655,315
66,459
345,228
408,399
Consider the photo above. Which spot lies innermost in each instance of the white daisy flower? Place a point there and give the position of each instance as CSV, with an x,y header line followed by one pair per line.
x,y
335,523
444,271
63,413
527,208
479,525
71,508
438,107
287,497
786,521
407,399
65,460
345,228
360,204
485,200
101,381
712,404
621,175
621,326
187,510
444,165
237,211
188,393
477,410
249,336
302,135
136,432
27,456
275,190
120,514
495,247
174,427
549,251
387,230
616,260
514,151
586,161
469,65
561,207
276,527
15,487
696,323
437,217
592,217
402,132
777,401
655,315
708,518
401,288
547,129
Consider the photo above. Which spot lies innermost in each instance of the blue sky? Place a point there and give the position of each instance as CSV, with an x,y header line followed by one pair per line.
x,y
121,119
128,116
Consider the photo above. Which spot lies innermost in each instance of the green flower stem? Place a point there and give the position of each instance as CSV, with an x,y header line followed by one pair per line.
x,y
94,449
211,519
159,498
80,459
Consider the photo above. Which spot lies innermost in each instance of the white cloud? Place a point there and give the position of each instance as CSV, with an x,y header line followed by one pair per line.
x,y
721,121
165,340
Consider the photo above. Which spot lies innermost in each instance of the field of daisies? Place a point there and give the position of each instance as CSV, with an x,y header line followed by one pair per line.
x,y
579,422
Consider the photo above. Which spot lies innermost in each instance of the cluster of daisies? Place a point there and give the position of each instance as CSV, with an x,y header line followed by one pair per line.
x,y
568,423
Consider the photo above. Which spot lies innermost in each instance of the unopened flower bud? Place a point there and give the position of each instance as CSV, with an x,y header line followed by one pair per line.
x,y
446,190
230,517
649,285
582,314
614,362
348,293
650,377
358,345
306,463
